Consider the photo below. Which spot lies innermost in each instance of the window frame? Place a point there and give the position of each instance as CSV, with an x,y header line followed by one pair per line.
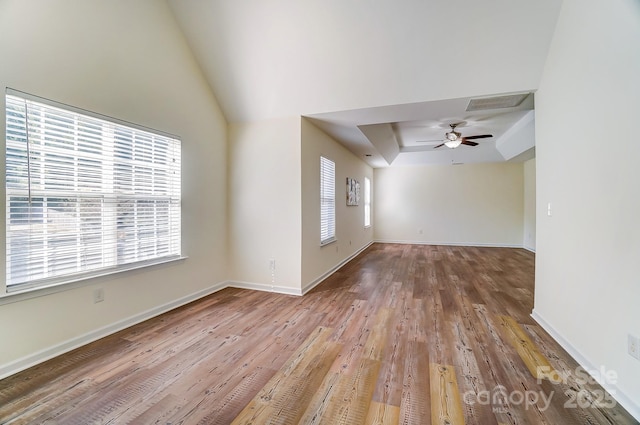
x,y
367,202
108,265
327,200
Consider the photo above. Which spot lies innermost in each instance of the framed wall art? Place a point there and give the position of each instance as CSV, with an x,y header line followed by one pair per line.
x,y
353,192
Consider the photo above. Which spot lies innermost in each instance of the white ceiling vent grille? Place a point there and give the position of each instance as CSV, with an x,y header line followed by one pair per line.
x,y
497,102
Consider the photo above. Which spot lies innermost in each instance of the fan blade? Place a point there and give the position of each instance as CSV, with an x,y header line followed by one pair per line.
x,y
465,142
436,147
428,141
479,136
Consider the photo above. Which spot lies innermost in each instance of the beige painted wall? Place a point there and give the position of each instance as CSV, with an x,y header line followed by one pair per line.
x,y
480,204
529,236
350,231
587,272
127,60
265,200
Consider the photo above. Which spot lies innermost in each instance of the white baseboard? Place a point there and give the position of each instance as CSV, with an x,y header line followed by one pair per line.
x,y
478,244
264,287
528,248
73,343
315,282
294,291
632,407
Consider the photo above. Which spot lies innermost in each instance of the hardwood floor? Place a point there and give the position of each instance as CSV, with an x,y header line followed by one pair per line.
x,y
403,334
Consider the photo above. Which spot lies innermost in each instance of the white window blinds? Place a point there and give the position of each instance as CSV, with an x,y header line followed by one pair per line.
x,y
327,200
367,202
85,194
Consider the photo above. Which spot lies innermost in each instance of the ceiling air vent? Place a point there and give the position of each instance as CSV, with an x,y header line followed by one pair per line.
x,y
497,102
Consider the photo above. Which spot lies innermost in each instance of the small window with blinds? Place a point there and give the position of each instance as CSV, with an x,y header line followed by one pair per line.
x,y
327,201
367,202
85,194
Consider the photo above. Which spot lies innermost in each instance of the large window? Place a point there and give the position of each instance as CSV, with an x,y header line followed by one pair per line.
x,y
327,201
367,202
85,194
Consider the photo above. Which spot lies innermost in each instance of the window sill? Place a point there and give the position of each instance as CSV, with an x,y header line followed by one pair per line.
x,y
328,242
73,282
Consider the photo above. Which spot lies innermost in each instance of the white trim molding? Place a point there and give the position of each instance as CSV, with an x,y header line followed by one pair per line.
x,y
76,342
477,244
315,282
630,405
265,287
73,343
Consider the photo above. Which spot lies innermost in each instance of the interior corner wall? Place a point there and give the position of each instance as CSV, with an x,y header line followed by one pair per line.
x,y
529,236
127,60
587,288
351,234
265,204
471,204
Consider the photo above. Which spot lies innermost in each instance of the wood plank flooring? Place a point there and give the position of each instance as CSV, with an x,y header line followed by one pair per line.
x,y
403,334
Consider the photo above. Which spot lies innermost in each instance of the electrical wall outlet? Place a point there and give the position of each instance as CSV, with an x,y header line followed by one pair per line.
x,y
98,295
632,346
272,264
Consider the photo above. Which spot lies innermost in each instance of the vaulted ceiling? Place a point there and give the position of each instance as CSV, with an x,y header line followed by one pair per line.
x,y
379,76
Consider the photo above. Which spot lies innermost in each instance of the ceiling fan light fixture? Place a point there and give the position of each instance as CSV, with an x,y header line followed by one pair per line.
x,y
453,138
453,143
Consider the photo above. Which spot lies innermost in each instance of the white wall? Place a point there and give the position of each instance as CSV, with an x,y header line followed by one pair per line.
x,y
127,60
479,204
529,236
264,208
587,109
350,231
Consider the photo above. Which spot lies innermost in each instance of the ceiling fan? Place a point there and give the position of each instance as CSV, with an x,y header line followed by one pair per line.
x,y
453,138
